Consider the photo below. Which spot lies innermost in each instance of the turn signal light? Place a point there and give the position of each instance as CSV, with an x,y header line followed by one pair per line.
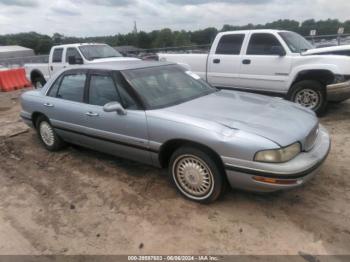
x,y
276,181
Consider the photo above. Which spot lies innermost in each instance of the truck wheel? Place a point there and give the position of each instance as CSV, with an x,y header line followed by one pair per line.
x,y
39,82
47,135
310,94
196,175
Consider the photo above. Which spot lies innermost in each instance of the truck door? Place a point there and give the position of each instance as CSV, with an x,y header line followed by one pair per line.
x,y
56,62
224,62
265,65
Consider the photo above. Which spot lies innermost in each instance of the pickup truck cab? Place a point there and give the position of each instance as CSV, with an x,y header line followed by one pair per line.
x,y
63,56
272,62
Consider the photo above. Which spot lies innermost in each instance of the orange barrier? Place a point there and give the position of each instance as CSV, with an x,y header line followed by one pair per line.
x,y
13,79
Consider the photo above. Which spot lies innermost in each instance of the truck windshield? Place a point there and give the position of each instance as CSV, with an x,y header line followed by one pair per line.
x,y
92,52
164,86
296,42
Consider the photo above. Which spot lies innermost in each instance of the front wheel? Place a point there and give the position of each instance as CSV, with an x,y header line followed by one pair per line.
x,y
196,175
310,94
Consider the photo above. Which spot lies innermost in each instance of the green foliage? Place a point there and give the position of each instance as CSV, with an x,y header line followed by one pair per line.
x,y
168,38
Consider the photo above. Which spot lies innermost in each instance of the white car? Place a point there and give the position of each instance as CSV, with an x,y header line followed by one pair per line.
x,y
63,56
271,62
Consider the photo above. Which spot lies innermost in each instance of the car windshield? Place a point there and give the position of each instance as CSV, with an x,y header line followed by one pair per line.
x,y
296,42
91,52
166,85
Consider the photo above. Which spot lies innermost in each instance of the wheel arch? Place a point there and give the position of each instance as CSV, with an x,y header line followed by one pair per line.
x,y
169,147
324,76
36,115
34,74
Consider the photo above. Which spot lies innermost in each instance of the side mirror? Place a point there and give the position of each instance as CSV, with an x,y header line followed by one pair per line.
x,y
278,50
72,60
114,107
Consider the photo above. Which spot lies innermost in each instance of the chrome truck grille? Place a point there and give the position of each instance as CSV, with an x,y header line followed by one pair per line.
x,y
311,138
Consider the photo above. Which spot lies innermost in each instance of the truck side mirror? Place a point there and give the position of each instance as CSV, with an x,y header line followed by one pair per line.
x,y
278,50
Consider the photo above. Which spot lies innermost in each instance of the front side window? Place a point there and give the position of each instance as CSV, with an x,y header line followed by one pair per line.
x,y
262,43
73,52
57,55
166,85
72,87
92,52
230,45
102,90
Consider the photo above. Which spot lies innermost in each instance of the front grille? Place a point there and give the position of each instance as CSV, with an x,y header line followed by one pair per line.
x,y
311,138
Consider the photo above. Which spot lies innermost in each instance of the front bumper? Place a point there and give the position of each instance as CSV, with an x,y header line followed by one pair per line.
x,y
338,92
243,174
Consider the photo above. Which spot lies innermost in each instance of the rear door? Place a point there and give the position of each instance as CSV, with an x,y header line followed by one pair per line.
x,y
122,135
56,61
224,62
65,104
262,70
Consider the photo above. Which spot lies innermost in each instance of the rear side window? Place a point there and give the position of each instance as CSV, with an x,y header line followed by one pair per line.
x,y
102,90
230,45
57,55
261,44
72,87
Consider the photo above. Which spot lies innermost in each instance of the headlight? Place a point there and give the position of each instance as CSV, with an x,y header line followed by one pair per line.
x,y
278,155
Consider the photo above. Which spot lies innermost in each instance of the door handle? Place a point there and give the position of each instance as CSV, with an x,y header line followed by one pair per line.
x,y
51,67
48,105
246,62
91,114
216,61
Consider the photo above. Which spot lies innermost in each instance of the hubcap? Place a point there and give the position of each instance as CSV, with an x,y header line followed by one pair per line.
x,y
308,98
46,133
38,84
193,177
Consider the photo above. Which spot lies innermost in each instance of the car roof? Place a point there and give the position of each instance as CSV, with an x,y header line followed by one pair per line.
x,y
77,45
122,65
253,31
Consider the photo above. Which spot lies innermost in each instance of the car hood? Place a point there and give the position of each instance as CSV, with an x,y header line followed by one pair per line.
x,y
275,119
326,49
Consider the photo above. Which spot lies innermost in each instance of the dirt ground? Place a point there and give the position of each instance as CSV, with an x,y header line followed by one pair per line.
x,y
81,202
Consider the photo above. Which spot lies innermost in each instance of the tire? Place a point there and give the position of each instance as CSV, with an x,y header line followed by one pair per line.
x,y
47,135
39,82
310,94
200,166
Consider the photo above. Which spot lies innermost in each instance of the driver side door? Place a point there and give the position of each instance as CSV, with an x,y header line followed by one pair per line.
x,y
121,135
261,69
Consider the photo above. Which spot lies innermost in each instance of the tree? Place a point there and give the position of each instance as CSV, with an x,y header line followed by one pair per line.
x,y
165,38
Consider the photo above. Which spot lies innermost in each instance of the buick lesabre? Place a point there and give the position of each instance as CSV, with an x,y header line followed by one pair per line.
x,y
162,115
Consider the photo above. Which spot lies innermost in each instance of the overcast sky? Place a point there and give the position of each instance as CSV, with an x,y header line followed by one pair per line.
x,y
109,17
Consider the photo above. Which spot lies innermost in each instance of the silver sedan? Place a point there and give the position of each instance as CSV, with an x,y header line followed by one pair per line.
x,y
162,115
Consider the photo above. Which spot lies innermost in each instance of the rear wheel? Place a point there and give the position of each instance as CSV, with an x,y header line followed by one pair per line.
x,y
196,175
47,135
39,82
310,94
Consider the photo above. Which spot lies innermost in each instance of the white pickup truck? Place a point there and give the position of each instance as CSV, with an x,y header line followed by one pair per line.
x,y
63,56
271,62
